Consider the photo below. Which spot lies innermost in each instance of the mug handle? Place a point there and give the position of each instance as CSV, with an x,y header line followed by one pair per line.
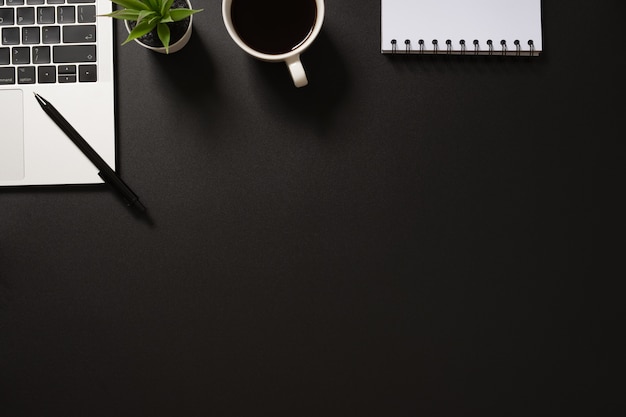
x,y
297,71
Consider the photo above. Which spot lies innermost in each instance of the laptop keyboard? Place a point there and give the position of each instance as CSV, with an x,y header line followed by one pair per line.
x,y
47,41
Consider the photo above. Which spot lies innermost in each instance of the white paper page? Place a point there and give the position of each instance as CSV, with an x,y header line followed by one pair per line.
x,y
457,20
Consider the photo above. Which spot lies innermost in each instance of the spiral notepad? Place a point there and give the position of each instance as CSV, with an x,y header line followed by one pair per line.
x,y
461,27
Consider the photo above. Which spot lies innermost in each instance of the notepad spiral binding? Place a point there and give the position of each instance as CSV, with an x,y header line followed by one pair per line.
x,y
476,49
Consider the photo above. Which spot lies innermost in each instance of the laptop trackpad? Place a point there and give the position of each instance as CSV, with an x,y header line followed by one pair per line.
x,y
11,135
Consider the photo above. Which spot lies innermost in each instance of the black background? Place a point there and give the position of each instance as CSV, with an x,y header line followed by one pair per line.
x,y
406,236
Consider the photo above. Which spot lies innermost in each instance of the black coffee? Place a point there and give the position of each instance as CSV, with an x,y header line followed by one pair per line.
x,y
273,26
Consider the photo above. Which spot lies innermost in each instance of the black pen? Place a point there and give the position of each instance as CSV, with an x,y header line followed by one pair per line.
x,y
106,173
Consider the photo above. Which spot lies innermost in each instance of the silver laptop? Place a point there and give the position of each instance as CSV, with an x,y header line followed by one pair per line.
x,y
62,50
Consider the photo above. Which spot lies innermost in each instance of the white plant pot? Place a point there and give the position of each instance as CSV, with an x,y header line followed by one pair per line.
x,y
174,47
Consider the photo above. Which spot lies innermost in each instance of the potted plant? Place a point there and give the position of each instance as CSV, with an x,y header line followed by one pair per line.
x,y
160,25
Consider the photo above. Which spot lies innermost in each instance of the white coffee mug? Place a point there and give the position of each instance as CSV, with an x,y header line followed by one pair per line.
x,y
291,58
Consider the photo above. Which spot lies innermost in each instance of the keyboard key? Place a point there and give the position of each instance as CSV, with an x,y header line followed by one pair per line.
x,y
15,2
69,78
56,1
87,73
47,74
51,34
7,17
41,54
45,15
25,15
67,69
30,35
21,55
35,1
74,53
86,14
79,34
10,36
26,75
5,56
65,14
7,75
80,1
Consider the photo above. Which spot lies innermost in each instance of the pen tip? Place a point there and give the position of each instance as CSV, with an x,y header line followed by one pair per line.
x,y
40,99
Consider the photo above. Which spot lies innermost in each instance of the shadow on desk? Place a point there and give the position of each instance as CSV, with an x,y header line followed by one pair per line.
x,y
192,73
477,64
315,104
193,76
88,191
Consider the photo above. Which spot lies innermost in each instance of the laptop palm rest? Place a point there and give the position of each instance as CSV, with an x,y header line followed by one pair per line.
x,y
11,135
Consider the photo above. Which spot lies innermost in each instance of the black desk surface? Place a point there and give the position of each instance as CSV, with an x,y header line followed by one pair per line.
x,y
406,236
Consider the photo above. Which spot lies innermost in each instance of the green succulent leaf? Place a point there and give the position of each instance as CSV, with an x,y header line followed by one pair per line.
x,y
180,14
132,4
141,29
154,4
164,35
154,20
124,14
165,6
146,14
166,18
